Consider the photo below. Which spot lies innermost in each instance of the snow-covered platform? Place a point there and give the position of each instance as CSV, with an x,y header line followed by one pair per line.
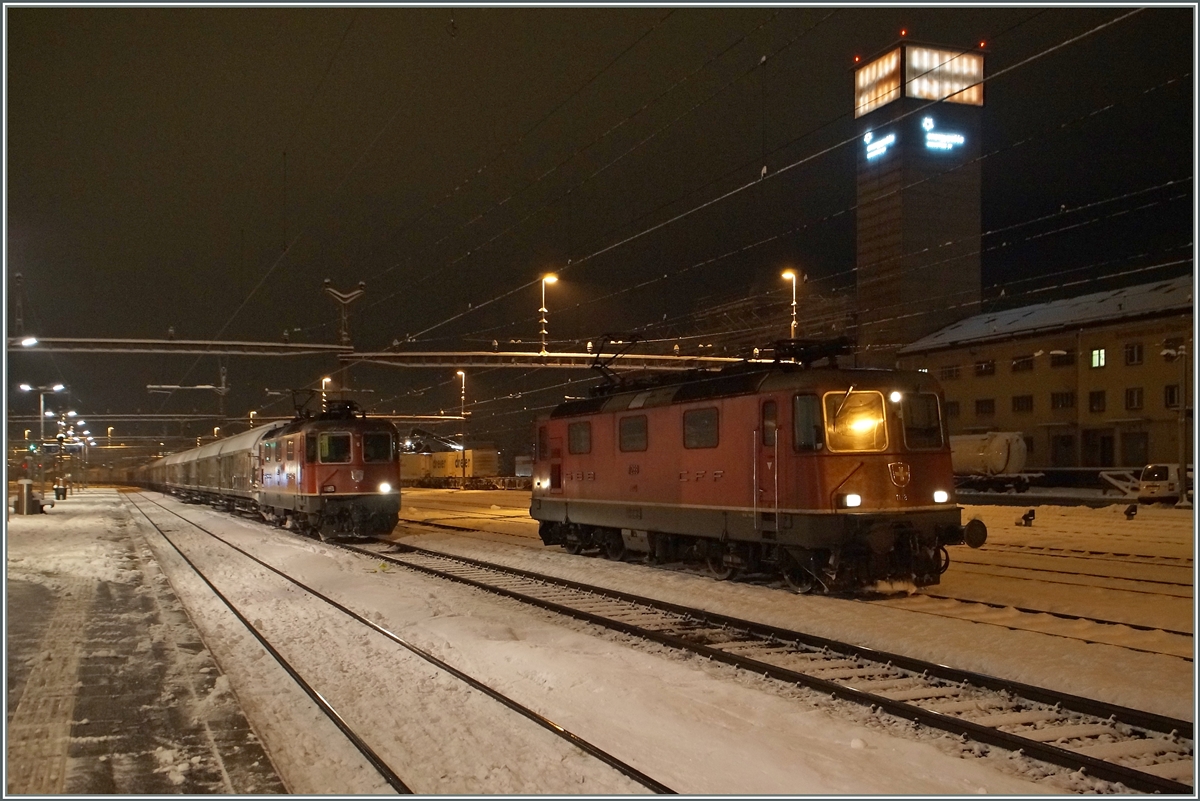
x,y
110,689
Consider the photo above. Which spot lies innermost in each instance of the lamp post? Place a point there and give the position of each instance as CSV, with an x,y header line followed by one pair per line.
x,y
42,392
549,278
1179,354
216,432
110,430
790,275
324,383
252,413
462,425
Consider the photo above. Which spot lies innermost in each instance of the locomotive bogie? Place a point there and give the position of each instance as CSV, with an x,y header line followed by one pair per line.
x,y
836,478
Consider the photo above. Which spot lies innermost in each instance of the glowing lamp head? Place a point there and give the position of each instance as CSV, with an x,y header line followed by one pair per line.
x,y
549,278
895,396
385,487
852,500
941,496
789,275
58,387
28,342
26,388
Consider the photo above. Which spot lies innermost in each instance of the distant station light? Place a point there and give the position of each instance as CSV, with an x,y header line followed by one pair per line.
x,y
29,342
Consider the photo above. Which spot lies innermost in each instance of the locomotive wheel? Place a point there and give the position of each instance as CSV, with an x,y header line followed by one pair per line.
x,y
573,546
798,579
718,568
945,558
614,547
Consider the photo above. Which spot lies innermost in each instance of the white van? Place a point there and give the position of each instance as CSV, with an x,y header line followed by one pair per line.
x,y
1160,483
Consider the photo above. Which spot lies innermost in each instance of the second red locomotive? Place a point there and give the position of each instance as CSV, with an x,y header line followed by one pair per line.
x,y
840,479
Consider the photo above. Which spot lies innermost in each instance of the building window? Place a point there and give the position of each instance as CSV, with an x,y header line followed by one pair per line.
x,y
1097,357
1062,400
1171,396
949,372
1133,398
700,428
985,407
987,367
1096,401
579,437
1133,353
952,409
633,433
1022,364
1022,403
1064,358
1135,448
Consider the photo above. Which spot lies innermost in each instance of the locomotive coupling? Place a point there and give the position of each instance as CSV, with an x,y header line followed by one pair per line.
x,y
975,533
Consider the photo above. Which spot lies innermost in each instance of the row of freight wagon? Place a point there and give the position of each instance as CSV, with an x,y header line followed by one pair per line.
x,y
479,463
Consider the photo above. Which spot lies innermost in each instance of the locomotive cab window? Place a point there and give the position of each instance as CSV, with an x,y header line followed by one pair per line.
x,y
922,423
543,444
808,430
310,449
855,421
770,417
377,447
701,428
335,448
579,438
633,433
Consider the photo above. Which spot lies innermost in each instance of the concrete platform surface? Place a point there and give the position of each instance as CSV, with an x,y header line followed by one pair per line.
x,y
110,689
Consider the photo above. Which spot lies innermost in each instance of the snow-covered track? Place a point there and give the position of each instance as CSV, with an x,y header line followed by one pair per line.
x,y
1081,553
1143,751
359,742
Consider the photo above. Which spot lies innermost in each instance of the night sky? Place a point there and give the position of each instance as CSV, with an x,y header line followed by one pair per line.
x,y
450,157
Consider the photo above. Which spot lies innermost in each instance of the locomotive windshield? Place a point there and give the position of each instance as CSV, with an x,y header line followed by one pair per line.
x,y
377,447
922,422
335,448
855,421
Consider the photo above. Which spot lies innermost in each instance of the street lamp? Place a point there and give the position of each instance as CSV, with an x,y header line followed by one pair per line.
x,y
549,278
110,430
462,426
216,431
324,383
790,275
42,415
252,413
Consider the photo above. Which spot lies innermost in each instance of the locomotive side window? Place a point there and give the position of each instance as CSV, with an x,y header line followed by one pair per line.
x,y
855,421
291,449
310,449
377,447
543,444
579,438
808,430
701,428
335,448
922,423
633,433
770,417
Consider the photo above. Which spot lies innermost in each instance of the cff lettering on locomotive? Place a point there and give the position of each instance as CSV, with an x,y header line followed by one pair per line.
x,y
839,479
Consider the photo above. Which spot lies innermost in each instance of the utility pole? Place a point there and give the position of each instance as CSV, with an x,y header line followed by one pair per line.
x,y
344,299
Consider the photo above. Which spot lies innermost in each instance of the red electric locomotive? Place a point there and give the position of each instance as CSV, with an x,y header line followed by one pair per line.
x,y
839,479
334,474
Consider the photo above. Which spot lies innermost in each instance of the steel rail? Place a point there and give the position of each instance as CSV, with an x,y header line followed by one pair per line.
x,y
1108,771
541,720
384,770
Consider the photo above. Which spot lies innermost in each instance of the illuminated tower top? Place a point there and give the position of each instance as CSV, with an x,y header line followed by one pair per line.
x,y
926,73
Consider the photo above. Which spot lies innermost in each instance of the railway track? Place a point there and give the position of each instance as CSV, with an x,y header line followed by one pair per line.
x,y
340,718
1083,553
1142,751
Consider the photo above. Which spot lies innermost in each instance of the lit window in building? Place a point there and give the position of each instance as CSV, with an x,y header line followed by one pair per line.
x,y
1097,357
948,75
877,83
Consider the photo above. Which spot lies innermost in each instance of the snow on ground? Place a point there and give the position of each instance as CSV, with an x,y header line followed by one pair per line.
x,y
1152,682
697,727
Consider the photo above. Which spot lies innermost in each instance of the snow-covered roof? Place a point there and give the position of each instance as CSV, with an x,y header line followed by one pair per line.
x,y
1160,297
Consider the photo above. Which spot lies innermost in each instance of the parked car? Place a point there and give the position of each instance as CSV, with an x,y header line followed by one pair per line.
x,y
1160,483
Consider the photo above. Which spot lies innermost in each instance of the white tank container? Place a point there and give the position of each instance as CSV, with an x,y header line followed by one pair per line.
x,y
990,454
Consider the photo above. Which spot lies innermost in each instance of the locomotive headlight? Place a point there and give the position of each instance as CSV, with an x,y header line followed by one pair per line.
x,y
386,487
941,496
895,396
852,500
